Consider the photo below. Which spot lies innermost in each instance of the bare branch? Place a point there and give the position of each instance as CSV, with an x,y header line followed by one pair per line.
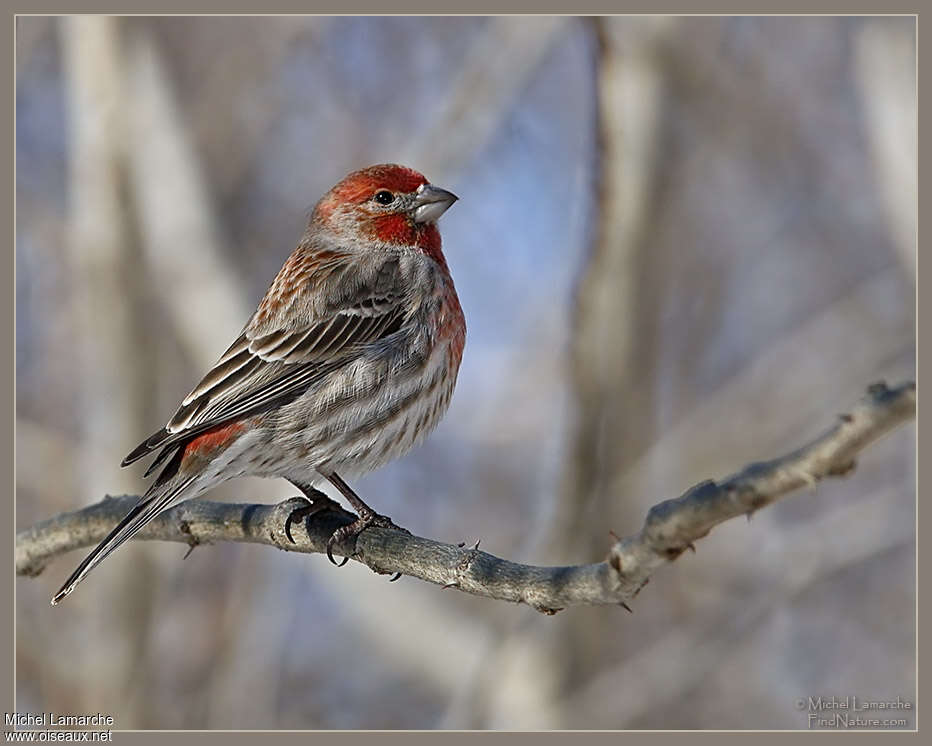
x,y
671,526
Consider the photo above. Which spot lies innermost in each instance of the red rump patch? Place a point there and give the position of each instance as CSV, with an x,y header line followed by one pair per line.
x,y
213,439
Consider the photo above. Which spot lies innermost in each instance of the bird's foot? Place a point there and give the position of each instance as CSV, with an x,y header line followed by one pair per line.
x,y
318,504
352,530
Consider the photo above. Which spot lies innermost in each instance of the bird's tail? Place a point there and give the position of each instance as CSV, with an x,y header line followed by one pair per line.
x,y
161,496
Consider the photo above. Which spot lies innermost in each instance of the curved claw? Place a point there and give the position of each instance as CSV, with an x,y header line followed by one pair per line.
x,y
394,577
288,521
355,528
330,542
306,511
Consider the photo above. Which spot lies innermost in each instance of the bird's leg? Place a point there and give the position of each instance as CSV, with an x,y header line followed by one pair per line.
x,y
367,517
317,502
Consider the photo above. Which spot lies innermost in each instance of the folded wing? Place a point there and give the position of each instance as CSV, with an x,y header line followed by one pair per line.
x,y
263,369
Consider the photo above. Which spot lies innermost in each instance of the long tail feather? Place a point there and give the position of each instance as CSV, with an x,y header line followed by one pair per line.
x,y
147,509
147,446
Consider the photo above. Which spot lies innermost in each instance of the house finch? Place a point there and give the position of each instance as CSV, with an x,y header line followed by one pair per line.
x,y
348,361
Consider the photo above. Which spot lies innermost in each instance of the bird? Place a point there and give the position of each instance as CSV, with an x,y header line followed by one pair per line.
x,y
348,361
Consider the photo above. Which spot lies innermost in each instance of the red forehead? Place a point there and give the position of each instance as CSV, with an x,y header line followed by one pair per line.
x,y
360,185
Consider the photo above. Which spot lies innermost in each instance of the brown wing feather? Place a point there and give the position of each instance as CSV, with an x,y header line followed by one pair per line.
x,y
262,368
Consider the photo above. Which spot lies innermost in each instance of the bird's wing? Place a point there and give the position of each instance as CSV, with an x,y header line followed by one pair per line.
x,y
266,366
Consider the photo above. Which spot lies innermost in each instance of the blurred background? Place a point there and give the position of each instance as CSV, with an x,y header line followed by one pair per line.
x,y
682,244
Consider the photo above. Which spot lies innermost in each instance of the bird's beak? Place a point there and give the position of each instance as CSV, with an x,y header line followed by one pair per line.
x,y
431,202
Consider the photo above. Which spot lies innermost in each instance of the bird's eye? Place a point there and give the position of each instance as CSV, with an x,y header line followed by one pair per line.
x,y
384,197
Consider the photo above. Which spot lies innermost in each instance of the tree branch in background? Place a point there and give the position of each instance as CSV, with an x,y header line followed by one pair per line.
x,y
490,79
671,527
109,365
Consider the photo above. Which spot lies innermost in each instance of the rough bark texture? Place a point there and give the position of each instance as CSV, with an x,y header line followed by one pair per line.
x,y
671,527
